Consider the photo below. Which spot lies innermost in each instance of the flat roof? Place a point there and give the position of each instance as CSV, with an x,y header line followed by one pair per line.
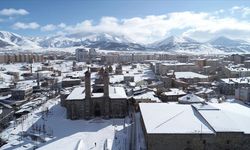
x,y
219,120
174,91
172,118
22,87
114,93
243,80
239,114
177,64
117,92
190,98
150,95
207,118
188,75
116,78
237,68
77,94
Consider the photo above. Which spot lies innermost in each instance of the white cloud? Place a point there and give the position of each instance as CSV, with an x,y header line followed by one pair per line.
x,y
62,25
220,11
21,25
235,8
198,25
52,27
215,27
244,11
147,29
49,27
12,12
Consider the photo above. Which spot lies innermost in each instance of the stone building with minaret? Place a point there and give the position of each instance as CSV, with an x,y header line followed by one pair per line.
x,y
99,99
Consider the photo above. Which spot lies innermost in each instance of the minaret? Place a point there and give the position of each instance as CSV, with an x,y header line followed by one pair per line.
x,y
38,80
106,83
87,84
106,93
87,101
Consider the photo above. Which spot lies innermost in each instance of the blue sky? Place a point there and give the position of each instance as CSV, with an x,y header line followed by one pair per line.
x,y
126,17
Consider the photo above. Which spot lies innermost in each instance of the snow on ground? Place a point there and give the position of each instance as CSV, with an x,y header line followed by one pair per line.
x,y
48,123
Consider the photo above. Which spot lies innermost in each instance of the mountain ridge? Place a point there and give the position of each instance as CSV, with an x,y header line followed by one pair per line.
x,y
107,41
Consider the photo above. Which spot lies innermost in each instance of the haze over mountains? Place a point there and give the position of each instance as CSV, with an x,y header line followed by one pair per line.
x,y
106,41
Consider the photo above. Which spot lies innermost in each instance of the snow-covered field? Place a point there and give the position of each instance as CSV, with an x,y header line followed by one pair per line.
x,y
50,130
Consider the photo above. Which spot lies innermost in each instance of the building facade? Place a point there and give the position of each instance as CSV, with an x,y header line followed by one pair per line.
x,y
101,100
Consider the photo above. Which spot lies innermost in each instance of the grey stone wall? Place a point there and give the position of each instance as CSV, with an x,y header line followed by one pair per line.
x,y
219,141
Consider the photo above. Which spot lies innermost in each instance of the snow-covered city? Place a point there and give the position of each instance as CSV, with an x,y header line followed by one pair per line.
x,y
124,75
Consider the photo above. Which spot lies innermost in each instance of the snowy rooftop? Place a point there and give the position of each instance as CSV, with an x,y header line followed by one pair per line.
x,y
174,91
117,92
77,94
190,98
75,74
178,118
142,72
5,105
178,64
148,95
204,106
204,91
28,82
237,113
245,80
219,120
96,95
237,69
114,93
22,87
69,79
173,118
188,75
116,78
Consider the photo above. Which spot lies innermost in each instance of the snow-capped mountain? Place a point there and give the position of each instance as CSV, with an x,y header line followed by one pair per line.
x,y
101,41
229,45
224,41
106,41
58,42
8,39
174,43
110,42
101,37
172,40
188,45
